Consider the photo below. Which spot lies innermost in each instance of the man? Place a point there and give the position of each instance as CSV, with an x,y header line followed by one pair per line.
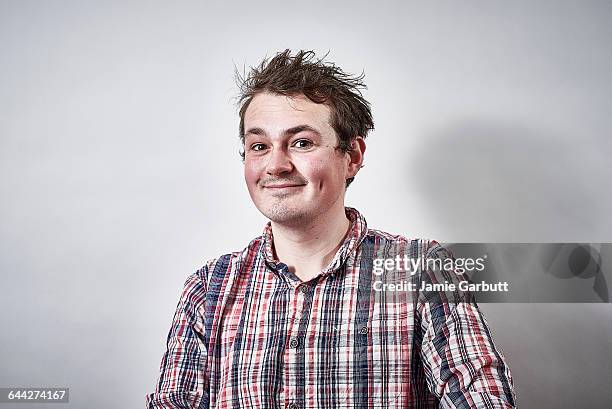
x,y
303,317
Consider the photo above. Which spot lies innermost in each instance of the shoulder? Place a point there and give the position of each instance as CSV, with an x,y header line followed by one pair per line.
x,y
218,268
397,243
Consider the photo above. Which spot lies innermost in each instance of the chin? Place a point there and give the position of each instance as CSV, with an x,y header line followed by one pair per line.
x,y
282,213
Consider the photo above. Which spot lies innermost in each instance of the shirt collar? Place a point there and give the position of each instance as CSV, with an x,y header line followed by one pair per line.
x,y
353,239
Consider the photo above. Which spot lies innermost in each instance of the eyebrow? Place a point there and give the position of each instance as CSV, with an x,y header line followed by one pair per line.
x,y
287,132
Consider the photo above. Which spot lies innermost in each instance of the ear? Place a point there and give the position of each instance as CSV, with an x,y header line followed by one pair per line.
x,y
358,148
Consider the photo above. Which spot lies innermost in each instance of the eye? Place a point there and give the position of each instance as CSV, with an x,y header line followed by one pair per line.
x,y
257,147
303,144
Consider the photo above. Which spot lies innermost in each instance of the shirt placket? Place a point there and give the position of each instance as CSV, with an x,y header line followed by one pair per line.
x,y
295,378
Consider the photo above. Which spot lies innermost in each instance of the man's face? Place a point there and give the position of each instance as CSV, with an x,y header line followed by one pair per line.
x,y
292,168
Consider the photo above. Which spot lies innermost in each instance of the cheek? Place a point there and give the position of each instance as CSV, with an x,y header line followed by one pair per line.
x,y
251,174
326,171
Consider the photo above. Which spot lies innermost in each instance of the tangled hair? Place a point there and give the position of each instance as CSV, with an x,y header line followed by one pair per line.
x,y
321,82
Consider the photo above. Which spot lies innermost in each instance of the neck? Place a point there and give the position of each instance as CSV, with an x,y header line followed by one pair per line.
x,y
309,248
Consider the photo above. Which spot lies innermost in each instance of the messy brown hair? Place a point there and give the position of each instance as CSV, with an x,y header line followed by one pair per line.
x,y
320,81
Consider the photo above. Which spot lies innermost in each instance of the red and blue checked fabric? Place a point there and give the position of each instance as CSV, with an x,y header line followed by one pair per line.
x,y
248,333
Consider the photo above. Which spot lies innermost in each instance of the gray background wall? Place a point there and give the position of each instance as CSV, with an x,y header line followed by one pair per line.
x,y
119,172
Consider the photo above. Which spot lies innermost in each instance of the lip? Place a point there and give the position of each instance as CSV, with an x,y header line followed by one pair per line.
x,y
283,186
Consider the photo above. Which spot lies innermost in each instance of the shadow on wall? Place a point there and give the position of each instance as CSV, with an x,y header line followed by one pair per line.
x,y
491,182
485,181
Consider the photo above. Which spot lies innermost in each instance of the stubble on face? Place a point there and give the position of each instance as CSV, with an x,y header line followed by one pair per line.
x,y
315,180
284,213
279,206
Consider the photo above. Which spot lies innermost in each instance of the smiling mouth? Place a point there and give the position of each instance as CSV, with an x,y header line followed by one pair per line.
x,y
283,186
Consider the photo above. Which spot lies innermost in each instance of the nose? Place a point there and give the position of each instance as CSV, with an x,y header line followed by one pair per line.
x,y
279,162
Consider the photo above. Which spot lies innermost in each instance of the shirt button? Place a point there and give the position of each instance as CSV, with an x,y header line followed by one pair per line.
x,y
304,289
363,330
292,405
293,343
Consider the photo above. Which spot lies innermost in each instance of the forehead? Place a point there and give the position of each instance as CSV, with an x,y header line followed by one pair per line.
x,y
275,113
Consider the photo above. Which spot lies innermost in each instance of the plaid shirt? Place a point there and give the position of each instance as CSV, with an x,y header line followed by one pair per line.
x,y
248,333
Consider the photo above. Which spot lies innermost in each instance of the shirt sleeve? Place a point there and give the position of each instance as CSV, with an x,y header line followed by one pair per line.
x,y
463,367
183,381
